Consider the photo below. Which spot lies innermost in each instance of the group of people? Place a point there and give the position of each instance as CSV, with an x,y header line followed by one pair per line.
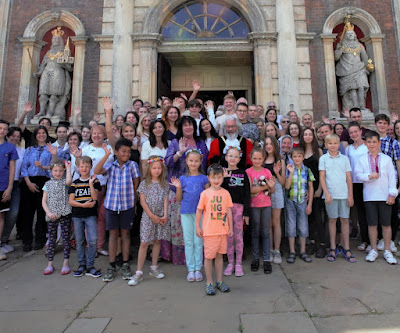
x,y
197,182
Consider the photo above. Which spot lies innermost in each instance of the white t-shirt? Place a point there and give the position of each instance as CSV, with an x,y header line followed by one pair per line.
x,y
354,154
148,151
96,154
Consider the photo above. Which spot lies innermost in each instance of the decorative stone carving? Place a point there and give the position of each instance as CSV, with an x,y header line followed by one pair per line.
x,y
55,79
351,69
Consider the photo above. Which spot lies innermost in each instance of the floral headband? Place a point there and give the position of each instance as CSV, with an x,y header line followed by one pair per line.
x,y
156,159
233,147
193,150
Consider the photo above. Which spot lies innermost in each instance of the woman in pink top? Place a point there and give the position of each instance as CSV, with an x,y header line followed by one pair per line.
x,y
261,185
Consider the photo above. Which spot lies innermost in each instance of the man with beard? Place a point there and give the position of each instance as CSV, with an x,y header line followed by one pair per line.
x,y
230,138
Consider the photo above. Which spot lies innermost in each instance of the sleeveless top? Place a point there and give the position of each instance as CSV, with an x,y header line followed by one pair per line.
x,y
270,167
312,164
57,197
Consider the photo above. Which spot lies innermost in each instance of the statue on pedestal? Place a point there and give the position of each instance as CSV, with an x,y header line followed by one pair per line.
x,y
55,79
352,69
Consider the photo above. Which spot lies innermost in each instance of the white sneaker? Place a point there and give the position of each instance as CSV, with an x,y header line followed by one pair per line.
x,y
9,248
4,248
156,272
372,255
368,249
362,247
2,256
135,279
381,245
277,258
393,247
389,257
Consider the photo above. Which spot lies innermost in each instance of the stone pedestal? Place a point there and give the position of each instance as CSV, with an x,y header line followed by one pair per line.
x,y
122,56
287,57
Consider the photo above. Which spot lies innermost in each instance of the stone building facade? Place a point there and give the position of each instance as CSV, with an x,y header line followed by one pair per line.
x,y
265,49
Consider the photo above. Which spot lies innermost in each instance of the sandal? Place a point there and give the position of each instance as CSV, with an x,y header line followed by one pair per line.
x,y
49,270
305,257
291,258
65,271
331,257
349,258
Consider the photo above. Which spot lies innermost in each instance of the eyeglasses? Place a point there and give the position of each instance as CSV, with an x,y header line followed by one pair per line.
x,y
242,111
285,121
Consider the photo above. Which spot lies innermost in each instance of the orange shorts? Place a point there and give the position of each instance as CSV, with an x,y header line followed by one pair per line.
x,y
214,245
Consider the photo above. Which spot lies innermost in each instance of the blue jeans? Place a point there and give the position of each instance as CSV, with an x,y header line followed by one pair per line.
x,y
260,220
296,219
12,214
193,244
90,223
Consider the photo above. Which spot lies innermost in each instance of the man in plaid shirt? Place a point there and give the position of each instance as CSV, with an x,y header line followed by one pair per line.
x,y
299,179
122,184
390,147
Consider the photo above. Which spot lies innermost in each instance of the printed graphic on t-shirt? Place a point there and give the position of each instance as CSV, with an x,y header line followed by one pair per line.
x,y
216,209
236,180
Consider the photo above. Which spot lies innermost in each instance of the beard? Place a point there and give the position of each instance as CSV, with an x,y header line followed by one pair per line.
x,y
231,136
350,44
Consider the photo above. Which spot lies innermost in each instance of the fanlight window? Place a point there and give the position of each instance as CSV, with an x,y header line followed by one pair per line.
x,y
204,20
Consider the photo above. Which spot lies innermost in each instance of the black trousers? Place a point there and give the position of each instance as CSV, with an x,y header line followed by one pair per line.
x,y
359,205
31,203
394,222
317,222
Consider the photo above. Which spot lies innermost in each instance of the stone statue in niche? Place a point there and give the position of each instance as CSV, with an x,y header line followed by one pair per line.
x,y
55,78
352,69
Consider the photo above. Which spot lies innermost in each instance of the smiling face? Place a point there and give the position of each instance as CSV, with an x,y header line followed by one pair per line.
x,y
41,137
206,126
3,130
187,129
123,154
232,157
156,169
286,145
271,116
97,136
355,133
339,130
73,141
307,120
308,135
146,122
172,115
231,127
268,146
382,127
294,130
397,129
85,134
241,113
229,104
193,162
62,133
57,171
128,132
270,130
119,121
15,138
158,129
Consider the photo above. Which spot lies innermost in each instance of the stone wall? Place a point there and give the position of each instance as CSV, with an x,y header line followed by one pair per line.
x,y
22,12
317,11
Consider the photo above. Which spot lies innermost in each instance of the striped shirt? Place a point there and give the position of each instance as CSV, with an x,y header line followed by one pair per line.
x,y
299,184
120,194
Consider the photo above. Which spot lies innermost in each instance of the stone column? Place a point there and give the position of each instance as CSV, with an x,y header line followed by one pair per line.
x,y
148,45
373,45
287,57
122,56
262,65
5,8
330,73
77,80
28,85
396,18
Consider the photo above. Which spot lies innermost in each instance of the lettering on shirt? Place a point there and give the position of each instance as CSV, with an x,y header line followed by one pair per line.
x,y
216,208
236,180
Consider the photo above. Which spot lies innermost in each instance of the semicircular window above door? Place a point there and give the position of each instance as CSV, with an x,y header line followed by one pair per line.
x,y
205,20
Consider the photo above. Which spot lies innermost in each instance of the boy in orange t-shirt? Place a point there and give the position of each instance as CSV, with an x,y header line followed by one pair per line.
x,y
215,203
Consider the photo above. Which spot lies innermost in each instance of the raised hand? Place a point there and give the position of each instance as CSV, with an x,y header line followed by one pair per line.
x,y
91,179
75,151
290,167
67,165
183,96
175,182
106,150
28,107
325,120
209,105
52,149
196,85
97,117
176,102
183,146
271,182
227,173
108,105
346,113
77,112
394,117
277,167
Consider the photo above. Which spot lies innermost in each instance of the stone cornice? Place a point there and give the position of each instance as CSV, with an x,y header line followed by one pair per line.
x,y
372,37
79,40
105,41
328,37
304,38
28,41
196,46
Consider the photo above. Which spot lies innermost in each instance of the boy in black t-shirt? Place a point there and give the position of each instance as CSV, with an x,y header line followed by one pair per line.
x,y
83,200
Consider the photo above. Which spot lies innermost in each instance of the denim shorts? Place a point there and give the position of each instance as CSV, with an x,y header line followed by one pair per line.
x,y
296,219
338,208
122,220
277,200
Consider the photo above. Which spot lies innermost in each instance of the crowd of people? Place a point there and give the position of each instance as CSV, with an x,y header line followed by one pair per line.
x,y
195,182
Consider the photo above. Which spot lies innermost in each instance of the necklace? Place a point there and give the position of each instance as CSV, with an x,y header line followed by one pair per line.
x,y
354,51
52,56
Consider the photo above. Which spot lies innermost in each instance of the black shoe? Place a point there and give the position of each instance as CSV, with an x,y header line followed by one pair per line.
x,y
311,249
38,247
267,267
27,248
354,233
255,265
18,237
321,252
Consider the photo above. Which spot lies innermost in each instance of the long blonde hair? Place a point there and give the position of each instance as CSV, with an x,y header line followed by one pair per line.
x,y
162,178
140,130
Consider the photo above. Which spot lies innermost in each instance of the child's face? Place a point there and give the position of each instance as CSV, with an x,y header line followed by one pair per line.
x,y
84,169
123,154
269,148
297,159
232,157
257,159
193,161
57,171
155,169
215,179
373,144
3,130
332,145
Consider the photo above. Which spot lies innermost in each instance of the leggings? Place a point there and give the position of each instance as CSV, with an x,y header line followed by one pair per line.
x,y
235,242
260,221
65,223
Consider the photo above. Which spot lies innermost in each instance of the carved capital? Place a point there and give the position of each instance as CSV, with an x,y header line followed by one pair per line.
x,y
36,43
328,38
262,38
79,40
372,38
105,41
149,40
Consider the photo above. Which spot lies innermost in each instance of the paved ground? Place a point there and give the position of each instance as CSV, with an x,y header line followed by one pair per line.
x,y
318,297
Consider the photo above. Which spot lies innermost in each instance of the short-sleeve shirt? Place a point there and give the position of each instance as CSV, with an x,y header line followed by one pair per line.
x,y
148,150
299,184
335,174
7,153
192,186
260,200
120,194
215,205
81,189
